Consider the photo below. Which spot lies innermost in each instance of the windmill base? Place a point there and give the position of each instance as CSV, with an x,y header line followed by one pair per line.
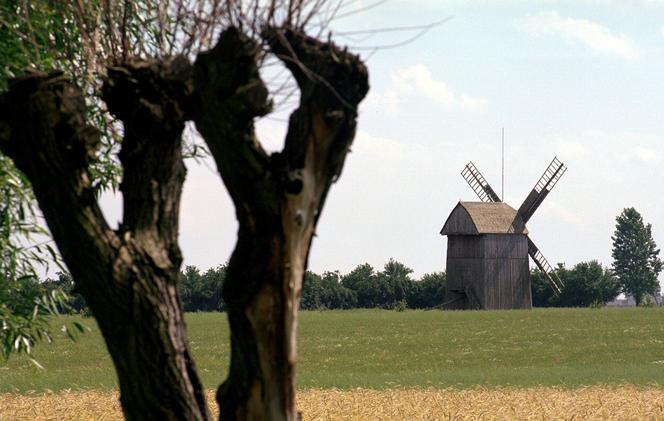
x,y
488,272
460,300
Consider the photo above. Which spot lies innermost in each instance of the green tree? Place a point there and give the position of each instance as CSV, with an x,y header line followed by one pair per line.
x,y
202,291
312,292
393,284
333,294
365,288
64,282
362,281
636,261
542,294
326,292
429,291
585,284
40,35
383,289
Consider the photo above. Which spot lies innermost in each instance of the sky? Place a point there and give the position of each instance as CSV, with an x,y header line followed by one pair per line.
x,y
580,80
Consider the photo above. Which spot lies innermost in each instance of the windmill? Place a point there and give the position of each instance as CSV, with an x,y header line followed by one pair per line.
x,y
489,245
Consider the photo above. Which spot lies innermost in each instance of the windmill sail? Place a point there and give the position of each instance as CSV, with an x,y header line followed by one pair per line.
x,y
476,181
543,187
544,267
479,184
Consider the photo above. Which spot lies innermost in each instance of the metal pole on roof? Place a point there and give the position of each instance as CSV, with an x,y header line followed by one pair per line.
x,y
503,167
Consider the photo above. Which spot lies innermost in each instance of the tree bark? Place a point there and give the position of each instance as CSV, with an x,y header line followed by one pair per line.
x,y
278,199
128,276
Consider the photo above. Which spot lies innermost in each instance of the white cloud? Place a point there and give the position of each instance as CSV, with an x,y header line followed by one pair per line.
x,y
380,147
646,155
570,148
661,30
592,34
469,103
556,210
417,80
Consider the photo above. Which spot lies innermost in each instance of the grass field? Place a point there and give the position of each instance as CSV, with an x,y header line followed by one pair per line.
x,y
373,349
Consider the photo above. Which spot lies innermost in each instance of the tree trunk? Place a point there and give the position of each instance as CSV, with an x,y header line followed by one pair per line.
x,y
278,199
637,299
129,276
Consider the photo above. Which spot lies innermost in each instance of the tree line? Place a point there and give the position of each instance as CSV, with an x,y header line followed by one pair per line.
x,y
363,287
585,284
634,271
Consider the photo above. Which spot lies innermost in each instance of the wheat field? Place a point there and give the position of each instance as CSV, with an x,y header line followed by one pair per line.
x,y
541,403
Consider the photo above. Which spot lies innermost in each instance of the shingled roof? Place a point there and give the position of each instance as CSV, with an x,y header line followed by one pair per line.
x,y
475,218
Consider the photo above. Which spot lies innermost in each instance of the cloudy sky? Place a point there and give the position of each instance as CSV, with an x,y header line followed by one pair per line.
x,y
581,80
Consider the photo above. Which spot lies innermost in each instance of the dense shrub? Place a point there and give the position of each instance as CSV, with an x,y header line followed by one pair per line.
x,y
326,292
202,291
64,282
586,284
429,291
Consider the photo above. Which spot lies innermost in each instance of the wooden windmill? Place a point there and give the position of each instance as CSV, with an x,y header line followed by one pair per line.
x,y
488,246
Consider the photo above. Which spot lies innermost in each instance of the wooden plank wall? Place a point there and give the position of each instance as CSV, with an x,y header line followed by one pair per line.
x,y
494,265
506,246
460,222
465,247
506,284
464,267
506,272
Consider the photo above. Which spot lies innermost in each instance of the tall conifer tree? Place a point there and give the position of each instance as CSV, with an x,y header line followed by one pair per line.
x,y
636,260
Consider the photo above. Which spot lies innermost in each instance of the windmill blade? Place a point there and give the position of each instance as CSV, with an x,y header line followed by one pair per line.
x,y
552,278
542,188
478,183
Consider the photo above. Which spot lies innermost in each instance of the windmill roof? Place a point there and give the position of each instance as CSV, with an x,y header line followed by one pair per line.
x,y
475,218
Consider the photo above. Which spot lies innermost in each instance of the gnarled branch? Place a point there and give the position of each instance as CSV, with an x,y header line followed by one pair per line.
x,y
152,100
129,278
278,199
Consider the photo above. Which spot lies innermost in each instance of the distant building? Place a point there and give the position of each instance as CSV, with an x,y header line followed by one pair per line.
x,y
488,246
487,257
628,301
625,301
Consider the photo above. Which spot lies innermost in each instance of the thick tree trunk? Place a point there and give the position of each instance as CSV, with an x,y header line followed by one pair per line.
x,y
129,276
278,199
147,342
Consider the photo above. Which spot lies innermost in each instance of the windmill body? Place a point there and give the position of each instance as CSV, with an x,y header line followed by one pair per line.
x,y
488,247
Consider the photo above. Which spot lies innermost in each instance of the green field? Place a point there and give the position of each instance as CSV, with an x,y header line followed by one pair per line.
x,y
387,349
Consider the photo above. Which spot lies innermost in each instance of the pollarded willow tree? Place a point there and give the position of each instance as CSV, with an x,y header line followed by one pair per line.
x,y
154,71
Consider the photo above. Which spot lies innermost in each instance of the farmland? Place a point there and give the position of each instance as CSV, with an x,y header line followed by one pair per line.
x,y
624,403
388,365
379,349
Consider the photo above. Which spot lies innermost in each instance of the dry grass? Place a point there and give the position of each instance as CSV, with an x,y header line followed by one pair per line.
x,y
620,403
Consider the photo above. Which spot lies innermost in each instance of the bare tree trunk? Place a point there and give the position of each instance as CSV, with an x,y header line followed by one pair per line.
x,y
129,276
278,199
